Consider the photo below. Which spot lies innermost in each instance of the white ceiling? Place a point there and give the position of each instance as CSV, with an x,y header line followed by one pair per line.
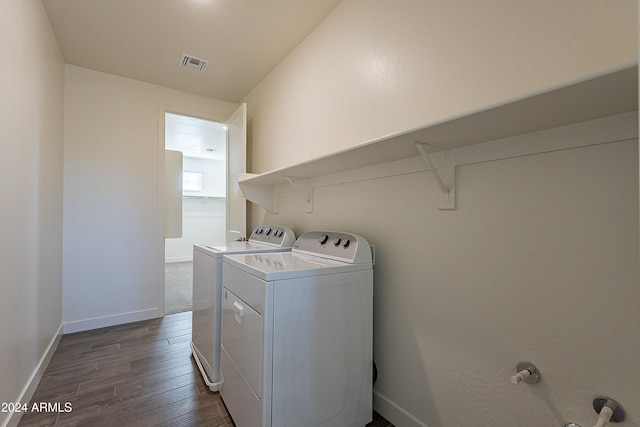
x,y
144,39
195,137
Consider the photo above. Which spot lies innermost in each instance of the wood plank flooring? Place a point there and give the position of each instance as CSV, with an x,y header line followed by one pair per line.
x,y
138,374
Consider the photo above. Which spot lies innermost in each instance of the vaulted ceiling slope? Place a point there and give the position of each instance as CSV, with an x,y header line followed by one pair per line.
x,y
243,40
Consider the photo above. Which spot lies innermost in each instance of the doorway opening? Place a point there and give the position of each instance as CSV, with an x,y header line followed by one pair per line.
x,y
203,144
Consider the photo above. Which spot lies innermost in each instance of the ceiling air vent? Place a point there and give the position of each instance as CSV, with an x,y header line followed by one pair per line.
x,y
189,61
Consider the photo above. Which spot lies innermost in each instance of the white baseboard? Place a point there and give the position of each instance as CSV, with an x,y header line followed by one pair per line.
x,y
395,414
116,319
34,379
178,259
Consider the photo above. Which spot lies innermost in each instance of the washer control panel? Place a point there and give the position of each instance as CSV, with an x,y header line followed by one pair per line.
x,y
336,245
275,235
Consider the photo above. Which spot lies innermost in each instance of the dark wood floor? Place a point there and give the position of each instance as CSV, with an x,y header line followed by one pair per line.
x,y
138,374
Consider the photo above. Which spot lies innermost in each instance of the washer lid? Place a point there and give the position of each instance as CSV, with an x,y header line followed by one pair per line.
x,y
235,247
271,266
270,238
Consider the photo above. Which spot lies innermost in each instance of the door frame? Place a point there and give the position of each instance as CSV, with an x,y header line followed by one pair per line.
x,y
162,109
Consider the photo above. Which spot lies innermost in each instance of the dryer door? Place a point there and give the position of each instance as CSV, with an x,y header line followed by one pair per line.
x,y
242,339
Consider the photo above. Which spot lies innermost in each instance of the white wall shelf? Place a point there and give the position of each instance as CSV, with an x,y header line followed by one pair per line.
x,y
605,95
202,196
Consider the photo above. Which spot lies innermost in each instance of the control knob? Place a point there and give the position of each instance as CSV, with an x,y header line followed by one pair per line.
x,y
323,239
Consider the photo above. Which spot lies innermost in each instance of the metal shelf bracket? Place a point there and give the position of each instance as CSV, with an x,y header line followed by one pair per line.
x,y
447,197
305,193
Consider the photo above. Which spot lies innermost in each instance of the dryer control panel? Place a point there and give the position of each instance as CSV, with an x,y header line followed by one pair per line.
x,y
282,237
345,247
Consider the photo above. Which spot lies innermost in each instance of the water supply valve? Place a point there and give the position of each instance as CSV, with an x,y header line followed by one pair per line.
x,y
527,372
609,411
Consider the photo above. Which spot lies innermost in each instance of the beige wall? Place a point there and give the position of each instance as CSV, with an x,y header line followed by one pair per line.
x,y
375,67
31,139
540,259
112,265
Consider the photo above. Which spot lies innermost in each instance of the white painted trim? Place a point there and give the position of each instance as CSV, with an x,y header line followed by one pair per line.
x,y
34,379
178,259
394,413
116,319
162,110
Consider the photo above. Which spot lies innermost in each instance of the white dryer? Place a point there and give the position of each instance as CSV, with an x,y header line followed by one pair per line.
x,y
297,334
207,291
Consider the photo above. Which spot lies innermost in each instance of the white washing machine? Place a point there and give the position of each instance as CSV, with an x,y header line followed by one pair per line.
x,y
207,291
297,334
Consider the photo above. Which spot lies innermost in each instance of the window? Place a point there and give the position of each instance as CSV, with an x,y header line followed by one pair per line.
x,y
192,182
